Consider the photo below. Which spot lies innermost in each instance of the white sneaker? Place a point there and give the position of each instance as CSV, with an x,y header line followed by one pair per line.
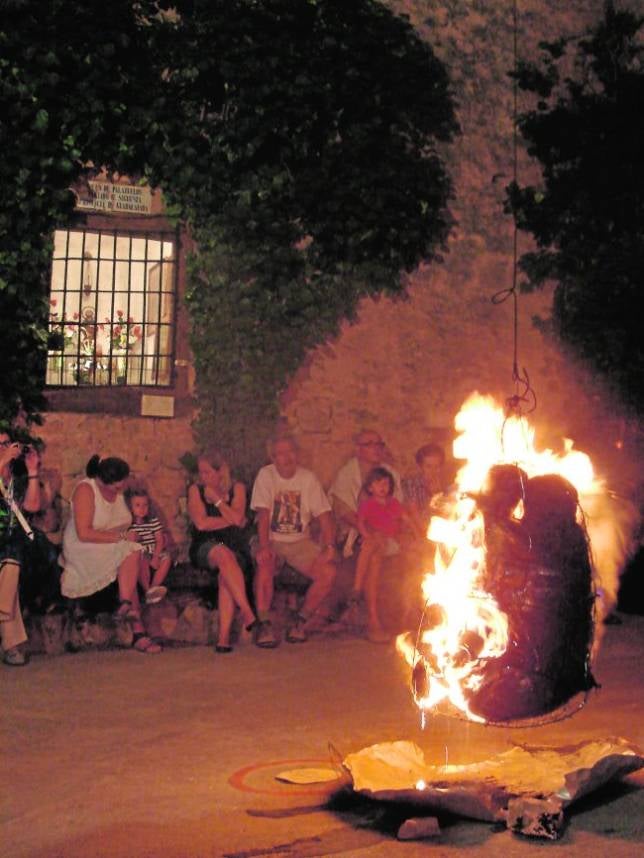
x,y
155,594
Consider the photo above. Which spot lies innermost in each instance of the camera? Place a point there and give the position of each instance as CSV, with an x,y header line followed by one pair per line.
x,y
18,465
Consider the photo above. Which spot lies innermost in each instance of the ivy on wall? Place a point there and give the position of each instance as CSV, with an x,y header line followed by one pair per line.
x,y
317,128
300,142
74,91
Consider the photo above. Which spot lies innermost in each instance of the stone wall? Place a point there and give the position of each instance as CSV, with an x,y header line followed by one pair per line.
x,y
152,447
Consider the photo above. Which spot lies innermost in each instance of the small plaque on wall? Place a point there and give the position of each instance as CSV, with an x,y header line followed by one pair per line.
x,y
157,406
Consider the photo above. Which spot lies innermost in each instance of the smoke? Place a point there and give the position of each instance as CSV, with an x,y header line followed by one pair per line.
x,y
611,523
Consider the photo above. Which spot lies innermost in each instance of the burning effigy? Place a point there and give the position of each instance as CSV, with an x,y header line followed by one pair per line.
x,y
510,601
508,629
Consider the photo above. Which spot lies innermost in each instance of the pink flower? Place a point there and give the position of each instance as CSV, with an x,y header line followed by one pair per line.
x,y
137,331
75,316
119,313
54,302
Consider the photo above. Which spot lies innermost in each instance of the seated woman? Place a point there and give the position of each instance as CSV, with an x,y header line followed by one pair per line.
x,y
217,510
18,494
40,578
99,549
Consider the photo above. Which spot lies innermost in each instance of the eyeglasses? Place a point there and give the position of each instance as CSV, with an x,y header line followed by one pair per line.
x,y
5,443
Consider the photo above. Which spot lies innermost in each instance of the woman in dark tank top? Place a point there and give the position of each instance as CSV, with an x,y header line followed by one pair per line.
x,y
217,510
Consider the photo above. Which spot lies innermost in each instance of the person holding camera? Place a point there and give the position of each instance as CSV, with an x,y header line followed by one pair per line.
x,y
19,492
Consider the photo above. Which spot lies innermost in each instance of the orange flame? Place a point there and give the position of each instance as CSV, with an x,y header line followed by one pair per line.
x,y
463,626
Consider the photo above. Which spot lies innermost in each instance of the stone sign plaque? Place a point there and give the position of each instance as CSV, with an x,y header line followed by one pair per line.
x,y
116,198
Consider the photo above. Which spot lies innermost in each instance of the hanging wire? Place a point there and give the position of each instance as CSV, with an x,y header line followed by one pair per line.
x,y
523,401
524,398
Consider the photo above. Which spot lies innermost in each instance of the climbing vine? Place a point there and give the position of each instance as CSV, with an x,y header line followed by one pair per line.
x,y
316,146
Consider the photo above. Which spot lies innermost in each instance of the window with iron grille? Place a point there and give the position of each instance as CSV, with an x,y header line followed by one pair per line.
x,y
112,302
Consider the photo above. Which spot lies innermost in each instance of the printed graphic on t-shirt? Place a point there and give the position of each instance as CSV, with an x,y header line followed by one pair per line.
x,y
287,512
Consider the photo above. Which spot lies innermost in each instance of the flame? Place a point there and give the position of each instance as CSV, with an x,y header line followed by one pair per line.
x,y
463,626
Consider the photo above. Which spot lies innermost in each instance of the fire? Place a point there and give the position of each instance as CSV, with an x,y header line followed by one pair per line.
x,y
463,627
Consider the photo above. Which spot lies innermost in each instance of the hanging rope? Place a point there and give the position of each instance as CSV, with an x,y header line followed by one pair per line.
x,y
524,398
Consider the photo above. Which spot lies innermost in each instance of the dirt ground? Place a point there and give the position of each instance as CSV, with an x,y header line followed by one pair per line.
x,y
124,755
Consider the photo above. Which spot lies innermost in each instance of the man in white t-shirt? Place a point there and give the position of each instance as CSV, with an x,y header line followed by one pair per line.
x,y
286,498
346,487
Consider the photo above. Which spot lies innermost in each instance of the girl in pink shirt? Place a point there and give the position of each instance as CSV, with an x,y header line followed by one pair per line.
x,y
380,519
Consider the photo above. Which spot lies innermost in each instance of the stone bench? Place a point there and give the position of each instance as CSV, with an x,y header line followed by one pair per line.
x,y
187,616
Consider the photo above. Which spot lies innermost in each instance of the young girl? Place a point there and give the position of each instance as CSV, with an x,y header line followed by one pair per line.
x,y
155,562
380,519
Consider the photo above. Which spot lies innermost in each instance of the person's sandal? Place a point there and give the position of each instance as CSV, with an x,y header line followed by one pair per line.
x,y
144,643
126,611
15,657
223,648
155,594
297,633
264,635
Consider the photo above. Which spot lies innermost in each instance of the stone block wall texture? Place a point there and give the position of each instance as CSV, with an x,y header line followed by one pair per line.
x,y
406,366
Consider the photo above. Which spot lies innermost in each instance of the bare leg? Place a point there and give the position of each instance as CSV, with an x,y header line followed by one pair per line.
x,y
144,570
128,576
226,613
371,594
322,574
161,571
12,629
264,575
362,564
231,576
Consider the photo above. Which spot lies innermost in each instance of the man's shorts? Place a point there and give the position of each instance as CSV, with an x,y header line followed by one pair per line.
x,y
301,555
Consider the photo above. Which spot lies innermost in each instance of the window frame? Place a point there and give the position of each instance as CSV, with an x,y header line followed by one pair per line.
x,y
126,399
119,363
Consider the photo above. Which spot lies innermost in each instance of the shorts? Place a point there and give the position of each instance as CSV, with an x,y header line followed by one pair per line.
x,y
148,554
301,555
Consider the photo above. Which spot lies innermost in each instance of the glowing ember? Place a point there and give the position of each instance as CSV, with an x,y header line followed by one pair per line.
x,y
470,621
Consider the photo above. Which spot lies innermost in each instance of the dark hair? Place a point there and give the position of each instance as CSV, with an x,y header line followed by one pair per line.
x,y
376,474
137,492
110,470
428,450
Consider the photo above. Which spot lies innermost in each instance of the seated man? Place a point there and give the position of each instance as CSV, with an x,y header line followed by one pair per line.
x,y
418,490
285,498
348,483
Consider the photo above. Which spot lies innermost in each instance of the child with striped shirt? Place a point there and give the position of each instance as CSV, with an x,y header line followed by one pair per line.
x,y
155,561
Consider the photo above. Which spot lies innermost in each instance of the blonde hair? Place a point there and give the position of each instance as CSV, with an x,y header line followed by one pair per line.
x,y
216,459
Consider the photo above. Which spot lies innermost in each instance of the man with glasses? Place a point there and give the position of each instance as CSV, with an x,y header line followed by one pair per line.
x,y
369,453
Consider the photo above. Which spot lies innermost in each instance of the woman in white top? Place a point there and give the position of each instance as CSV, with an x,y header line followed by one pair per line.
x,y
98,548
